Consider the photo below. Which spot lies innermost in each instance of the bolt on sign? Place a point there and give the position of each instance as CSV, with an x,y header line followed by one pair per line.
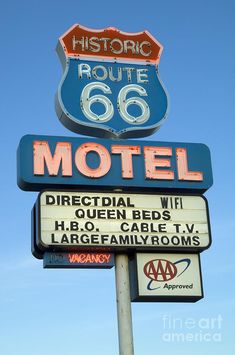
x,y
121,222
165,277
78,260
111,85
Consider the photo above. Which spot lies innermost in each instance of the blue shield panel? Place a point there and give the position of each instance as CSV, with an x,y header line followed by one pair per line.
x,y
111,99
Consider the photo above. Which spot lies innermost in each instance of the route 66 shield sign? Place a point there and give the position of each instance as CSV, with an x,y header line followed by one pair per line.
x,y
110,86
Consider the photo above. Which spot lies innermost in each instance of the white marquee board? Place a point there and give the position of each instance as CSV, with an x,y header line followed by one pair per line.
x,y
68,220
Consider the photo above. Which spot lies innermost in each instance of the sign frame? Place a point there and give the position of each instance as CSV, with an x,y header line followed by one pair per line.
x,y
36,252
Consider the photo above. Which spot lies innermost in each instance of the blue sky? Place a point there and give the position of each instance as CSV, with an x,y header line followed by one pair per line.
x,y
73,311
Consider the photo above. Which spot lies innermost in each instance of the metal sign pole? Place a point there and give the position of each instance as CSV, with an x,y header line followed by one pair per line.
x,y
125,333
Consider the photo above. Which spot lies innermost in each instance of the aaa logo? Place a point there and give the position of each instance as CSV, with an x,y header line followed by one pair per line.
x,y
111,86
161,270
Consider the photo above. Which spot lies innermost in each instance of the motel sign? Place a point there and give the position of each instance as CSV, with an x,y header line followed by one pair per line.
x,y
53,162
113,201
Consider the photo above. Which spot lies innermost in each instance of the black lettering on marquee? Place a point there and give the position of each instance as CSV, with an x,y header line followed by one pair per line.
x,y
80,213
186,240
177,227
95,239
190,227
76,201
84,239
136,214
166,215
175,240
50,200
65,200
121,214
196,240
64,239
144,239
59,225
155,240
124,239
74,238
164,202
86,200
74,225
104,238
162,227
172,202
53,240
113,240
165,240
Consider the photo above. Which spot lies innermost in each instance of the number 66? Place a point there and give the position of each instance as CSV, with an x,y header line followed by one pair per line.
x,y
86,101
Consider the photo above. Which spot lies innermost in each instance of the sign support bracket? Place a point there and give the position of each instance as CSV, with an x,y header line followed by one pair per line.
x,y
125,332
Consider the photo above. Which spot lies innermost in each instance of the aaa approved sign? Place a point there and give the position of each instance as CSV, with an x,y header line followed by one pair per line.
x,y
121,221
166,277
